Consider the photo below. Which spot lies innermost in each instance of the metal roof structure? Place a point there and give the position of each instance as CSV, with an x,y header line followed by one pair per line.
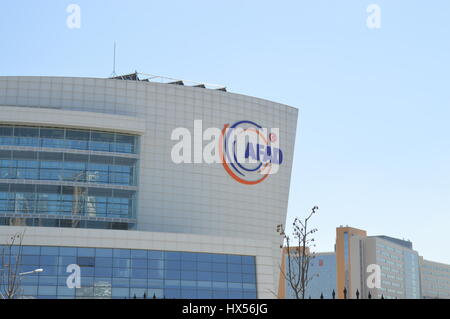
x,y
137,76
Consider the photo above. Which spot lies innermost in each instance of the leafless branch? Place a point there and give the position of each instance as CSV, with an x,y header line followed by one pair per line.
x,y
10,280
299,257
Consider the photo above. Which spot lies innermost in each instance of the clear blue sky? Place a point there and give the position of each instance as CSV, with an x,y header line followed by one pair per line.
x,y
372,149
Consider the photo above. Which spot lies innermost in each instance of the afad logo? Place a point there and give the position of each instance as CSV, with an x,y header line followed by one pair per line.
x,y
248,152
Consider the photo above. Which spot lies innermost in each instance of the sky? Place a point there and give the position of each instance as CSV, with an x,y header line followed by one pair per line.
x,y
372,145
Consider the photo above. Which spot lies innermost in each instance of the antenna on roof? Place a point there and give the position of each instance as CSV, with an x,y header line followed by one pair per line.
x,y
113,74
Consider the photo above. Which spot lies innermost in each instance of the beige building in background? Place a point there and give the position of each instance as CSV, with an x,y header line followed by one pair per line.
x,y
399,267
400,271
434,279
347,266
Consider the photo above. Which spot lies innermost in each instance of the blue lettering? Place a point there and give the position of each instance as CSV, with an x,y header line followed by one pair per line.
x,y
266,153
250,152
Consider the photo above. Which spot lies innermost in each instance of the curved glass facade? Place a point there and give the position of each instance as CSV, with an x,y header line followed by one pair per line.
x,y
67,167
125,273
67,138
66,200
40,186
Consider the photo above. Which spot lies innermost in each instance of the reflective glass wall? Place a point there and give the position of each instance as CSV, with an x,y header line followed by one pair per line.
x,y
66,200
67,138
125,273
50,174
67,167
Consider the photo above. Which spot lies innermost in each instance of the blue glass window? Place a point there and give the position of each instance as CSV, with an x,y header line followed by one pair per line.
x,y
42,163
137,292
235,277
234,259
219,276
103,252
202,266
121,263
248,269
46,290
155,283
188,275
140,254
67,138
139,263
155,254
85,280
171,283
121,253
156,293
48,280
87,271
173,264
121,282
64,291
204,275
103,272
204,284
234,268
103,262
30,260
246,278
139,273
138,283
219,285
120,293
48,270
86,252
68,251
188,265
219,267
172,274
188,284
185,256
48,261
155,273
86,261
218,258
155,264
121,272
134,272
172,255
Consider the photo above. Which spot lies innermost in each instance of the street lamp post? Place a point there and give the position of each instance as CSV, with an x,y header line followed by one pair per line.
x,y
35,271
31,272
20,275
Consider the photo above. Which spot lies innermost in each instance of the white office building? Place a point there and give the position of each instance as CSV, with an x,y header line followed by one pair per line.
x,y
86,168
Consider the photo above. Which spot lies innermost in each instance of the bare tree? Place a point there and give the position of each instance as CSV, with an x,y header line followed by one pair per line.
x,y
10,279
299,256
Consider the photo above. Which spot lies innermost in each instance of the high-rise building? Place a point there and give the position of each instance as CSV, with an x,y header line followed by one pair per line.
x,y
379,266
321,275
434,279
87,167
358,253
348,258
399,265
323,271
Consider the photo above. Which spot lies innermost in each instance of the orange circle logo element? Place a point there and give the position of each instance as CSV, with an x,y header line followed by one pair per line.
x,y
256,154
